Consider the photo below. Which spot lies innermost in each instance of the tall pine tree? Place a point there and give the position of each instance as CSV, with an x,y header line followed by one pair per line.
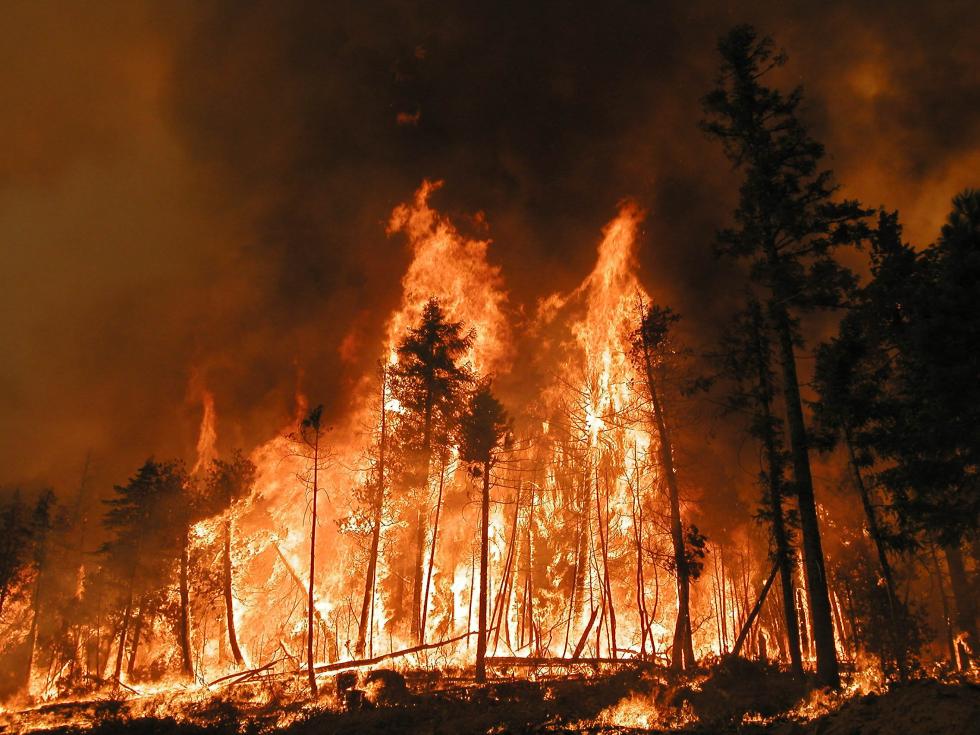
x,y
787,225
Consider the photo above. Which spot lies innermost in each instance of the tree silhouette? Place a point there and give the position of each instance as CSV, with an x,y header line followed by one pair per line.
x,y
485,427
650,347
144,543
747,362
227,483
787,225
309,439
429,383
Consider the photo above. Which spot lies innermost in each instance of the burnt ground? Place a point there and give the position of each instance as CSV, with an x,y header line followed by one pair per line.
x,y
734,697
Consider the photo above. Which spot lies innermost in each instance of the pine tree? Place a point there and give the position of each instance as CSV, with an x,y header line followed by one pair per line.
x,y
144,542
228,483
747,362
650,347
429,382
310,442
485,427
787,225
14,546
40,531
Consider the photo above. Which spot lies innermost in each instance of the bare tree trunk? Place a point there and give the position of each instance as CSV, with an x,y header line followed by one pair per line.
x,y
187,663
137,631
944,600
828,673
604,544
367,604
229,595
874,530
419,571
432,553
966,610
481,640
641,609
122,637
784,555
682,653
498,613
32,634
417,574
310,630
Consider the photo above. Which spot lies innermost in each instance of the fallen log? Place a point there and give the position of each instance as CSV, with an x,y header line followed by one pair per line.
x,y
240,676
359,663
755,611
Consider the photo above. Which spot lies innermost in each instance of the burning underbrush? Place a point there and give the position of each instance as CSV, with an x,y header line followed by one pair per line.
x,y
733,695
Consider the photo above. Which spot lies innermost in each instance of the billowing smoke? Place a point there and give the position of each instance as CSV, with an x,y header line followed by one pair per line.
x,y
198,195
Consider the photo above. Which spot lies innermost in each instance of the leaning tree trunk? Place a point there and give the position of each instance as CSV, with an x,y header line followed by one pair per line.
x,y
828,673
187,663
229,595
481,639
682,654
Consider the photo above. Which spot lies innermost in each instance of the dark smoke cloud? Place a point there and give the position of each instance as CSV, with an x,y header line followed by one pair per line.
x,y
196,193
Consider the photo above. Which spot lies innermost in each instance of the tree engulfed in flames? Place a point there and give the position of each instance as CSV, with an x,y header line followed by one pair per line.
x,y
581,565
576,532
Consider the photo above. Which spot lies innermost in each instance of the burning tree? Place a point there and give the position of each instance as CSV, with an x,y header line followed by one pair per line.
x,y
651,348
309,442
485,426
428,383
148,541
228,483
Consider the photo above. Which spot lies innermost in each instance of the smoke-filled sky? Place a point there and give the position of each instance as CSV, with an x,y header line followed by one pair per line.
x,y
195,193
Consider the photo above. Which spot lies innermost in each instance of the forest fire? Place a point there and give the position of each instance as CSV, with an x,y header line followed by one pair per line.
x,y
576,513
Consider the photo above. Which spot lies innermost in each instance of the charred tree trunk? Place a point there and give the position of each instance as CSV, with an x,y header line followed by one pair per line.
x,y
229,595
481,640
944,602
367,603
310,629
682,654
122,638
432,554
187,662
966,611
874,530
822,624
137,632
32,634
784,555
603,527
419,571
